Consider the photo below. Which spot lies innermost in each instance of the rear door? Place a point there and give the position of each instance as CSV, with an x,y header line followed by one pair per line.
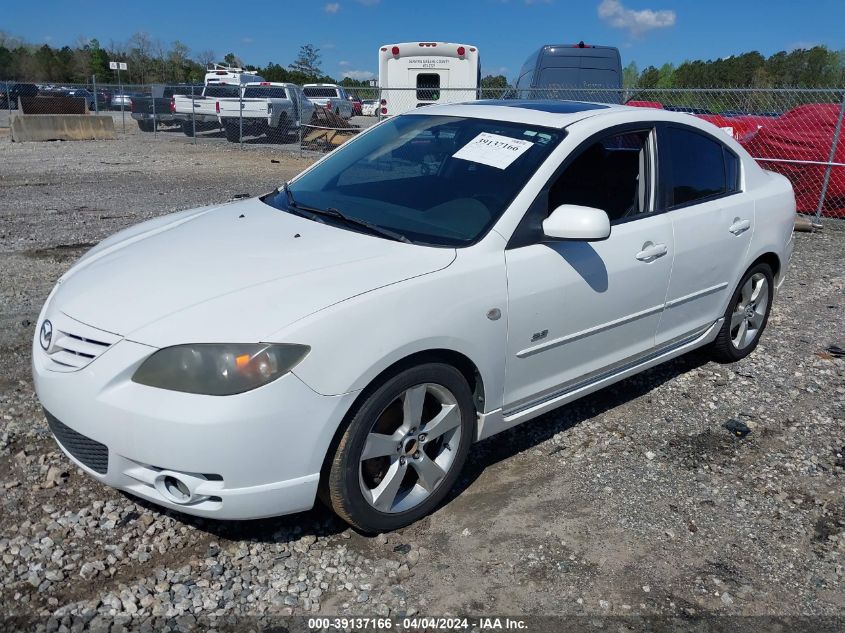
x,y
712,223
428,83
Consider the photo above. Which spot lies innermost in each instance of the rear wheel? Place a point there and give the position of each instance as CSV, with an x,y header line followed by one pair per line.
x,y
188,128
280,133
146,125
233,132
746,316
403,449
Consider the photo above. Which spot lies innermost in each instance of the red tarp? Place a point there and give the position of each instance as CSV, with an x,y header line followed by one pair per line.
x,y
741,128
804,133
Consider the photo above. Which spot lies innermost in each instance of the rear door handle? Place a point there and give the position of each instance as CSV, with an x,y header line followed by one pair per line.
x,y
651,252
740,226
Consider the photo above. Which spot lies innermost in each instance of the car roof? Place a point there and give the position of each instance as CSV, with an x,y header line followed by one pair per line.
x,y
549,113
560,114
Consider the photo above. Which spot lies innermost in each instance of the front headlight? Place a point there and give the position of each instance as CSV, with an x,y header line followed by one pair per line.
x,y
218,369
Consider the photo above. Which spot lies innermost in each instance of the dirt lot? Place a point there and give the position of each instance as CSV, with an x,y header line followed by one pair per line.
x,y
634,501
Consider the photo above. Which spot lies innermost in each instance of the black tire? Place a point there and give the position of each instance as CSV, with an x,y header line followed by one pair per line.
x,y
341,487
188,128
724,349
280,133
146,125
233,132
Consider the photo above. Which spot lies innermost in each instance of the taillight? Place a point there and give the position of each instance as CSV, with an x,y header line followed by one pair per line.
x,y
384,110
217,106
172,104
461,51
395,50
131,106
384,102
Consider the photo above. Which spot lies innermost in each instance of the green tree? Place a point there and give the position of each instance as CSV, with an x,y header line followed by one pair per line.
x,y
307,62
230,59
98,59
630,75
649,78
493,86
666,76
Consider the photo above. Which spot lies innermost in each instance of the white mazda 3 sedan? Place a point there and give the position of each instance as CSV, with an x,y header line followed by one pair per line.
x,y
449,274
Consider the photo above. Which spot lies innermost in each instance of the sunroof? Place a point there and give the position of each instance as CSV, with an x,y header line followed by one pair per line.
x,y
556,107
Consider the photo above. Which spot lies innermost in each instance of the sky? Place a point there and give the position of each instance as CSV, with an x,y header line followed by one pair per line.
x,y
349,32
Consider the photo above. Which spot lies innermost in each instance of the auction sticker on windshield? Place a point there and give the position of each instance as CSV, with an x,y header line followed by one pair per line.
x,y
493,149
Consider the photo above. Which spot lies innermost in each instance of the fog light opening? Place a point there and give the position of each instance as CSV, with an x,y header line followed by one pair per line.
x,y
177,489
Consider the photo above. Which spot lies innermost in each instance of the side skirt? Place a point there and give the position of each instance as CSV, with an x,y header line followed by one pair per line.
x,y
500,420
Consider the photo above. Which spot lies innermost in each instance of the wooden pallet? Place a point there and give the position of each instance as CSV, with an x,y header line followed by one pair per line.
x,y
327,129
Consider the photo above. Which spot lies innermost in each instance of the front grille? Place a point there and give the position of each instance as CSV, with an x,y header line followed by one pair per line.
x,y
75,345
88,451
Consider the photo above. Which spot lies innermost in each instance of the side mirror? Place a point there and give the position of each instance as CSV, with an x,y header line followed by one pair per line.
x,y
574,222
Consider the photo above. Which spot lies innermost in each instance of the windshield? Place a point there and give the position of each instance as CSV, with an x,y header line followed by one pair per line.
x,y
433,179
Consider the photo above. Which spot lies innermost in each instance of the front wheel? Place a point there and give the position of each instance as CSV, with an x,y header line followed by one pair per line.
x,y
403,449
746,316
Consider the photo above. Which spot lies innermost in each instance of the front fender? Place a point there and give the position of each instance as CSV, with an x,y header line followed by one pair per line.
x,y
355,340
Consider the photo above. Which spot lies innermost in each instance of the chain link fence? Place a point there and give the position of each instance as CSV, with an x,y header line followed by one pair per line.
x,y
796,132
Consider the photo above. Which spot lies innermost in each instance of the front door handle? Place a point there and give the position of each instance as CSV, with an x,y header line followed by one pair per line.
x,y
740,226
651,252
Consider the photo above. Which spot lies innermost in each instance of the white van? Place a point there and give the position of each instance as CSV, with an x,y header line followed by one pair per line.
x,y
415,74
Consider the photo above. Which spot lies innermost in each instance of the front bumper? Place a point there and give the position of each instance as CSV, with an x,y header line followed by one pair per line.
x,y
251,455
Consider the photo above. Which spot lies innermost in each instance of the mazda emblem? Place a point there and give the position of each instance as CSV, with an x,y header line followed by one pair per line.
x,y
46,334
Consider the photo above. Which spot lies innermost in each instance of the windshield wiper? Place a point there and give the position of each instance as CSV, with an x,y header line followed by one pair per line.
x,y
369,226
314,213
301,211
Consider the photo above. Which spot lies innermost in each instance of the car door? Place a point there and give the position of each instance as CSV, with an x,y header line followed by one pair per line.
x,y
712,223
578,310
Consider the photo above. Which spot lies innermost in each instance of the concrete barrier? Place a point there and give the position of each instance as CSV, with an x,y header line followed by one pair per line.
x,y
62,127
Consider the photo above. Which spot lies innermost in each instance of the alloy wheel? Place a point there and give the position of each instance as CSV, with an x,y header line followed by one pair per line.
x,y
410,448
749,313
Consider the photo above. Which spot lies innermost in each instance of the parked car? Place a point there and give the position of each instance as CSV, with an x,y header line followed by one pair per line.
x,y
275,109
149,110
123,101
199,113
82,93
104,98
369,107
10,92
451,273
330,97
356,105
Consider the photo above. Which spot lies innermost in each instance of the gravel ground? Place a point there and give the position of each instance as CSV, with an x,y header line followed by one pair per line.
x,y
635,500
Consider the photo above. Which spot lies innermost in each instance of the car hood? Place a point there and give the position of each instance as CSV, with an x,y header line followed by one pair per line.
x,y
234,273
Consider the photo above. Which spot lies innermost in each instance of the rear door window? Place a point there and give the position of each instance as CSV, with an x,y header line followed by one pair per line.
x,y
428,86
696,167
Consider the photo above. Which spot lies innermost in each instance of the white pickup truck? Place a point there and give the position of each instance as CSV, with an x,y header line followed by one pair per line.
x,y
275,109
331,97
200,112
